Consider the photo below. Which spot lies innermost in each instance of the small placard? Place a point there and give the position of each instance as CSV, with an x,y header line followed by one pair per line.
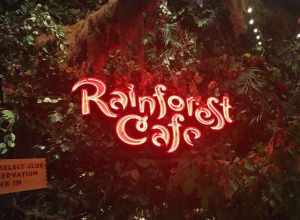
x,y
18,175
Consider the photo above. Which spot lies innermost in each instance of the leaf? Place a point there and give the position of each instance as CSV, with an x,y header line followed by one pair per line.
x,y
56,117
8,116
65,148
270,148
9,137
3,149
135,174
11,144
233,185
167,31
249,81
2,146
29,40
249,166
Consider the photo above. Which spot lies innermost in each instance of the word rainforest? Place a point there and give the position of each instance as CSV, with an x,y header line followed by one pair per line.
x,y
148,120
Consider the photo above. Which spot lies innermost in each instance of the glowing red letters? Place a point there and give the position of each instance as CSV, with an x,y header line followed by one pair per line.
x,y
214,113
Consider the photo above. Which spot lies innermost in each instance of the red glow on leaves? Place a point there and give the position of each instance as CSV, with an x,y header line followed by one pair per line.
x,y
158,107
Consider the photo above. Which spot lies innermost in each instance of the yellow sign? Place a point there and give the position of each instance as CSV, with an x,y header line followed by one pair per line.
x,y
18,175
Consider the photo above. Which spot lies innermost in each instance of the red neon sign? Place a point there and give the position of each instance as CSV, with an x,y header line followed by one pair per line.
x,y
214,113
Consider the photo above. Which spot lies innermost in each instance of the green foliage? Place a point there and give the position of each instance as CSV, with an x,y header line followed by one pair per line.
x,y
7,121
71,11
250,82
19,32
253,165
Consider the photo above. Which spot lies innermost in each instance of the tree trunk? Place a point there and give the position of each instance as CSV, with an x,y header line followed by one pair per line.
x,y
116,24
236,9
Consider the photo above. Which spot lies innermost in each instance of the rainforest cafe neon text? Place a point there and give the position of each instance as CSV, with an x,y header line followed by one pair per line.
x,y
213,113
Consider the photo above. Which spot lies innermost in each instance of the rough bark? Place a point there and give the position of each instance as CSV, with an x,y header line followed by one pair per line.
x,y
82,37
116,24
236,9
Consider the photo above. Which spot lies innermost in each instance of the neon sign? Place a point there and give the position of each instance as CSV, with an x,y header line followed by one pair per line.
x,y
213,113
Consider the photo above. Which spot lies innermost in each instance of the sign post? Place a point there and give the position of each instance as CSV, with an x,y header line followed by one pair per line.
x,y
18,175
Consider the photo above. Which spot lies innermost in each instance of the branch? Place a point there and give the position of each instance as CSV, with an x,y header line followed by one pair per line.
x,y
79,35
236,8
116,24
